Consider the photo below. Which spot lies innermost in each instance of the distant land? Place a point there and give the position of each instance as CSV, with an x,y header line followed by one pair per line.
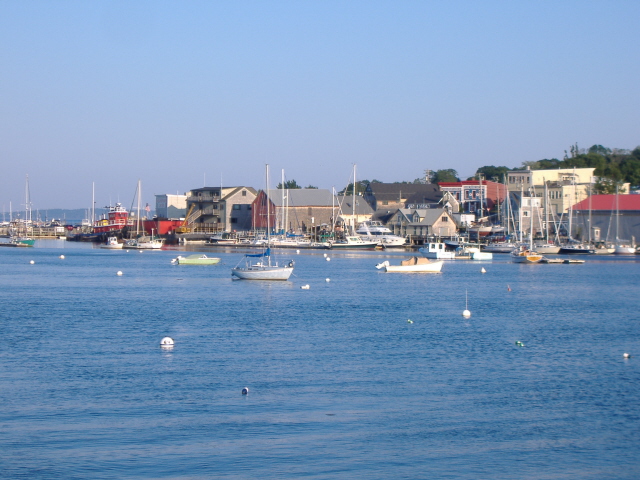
x,y
66,216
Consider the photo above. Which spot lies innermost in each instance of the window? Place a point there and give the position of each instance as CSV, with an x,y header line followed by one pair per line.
x,y
445,218
244,193
234,220
236,206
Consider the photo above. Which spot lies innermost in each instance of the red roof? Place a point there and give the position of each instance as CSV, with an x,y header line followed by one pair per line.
x,y
608,202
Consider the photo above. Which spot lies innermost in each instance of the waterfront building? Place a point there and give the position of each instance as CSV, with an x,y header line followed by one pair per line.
x,y
476,196
171,206
219,209
423,223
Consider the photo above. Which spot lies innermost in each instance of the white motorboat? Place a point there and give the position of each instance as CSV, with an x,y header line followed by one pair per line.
x,y
373,230
195,259
112,244
412,265
500,247
145,243
224,238
437,250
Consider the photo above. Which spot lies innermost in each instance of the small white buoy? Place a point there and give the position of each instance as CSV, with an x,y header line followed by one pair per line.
x,y
119,273
482,270
508,288
32,262
62,257
298,252
466,314
409,321
167,342
325,255
626,355
245,391
328,259
327,280
305,287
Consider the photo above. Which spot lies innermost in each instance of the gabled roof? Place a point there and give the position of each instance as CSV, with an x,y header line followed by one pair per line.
x,y
303,197
346,202
608,203
429,215
395,191
236,190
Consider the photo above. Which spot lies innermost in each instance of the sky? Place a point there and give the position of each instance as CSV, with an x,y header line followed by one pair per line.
x,y
97,95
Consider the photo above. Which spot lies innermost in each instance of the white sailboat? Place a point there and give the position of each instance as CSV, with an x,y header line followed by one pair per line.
x,y
621,248
259,266
524,254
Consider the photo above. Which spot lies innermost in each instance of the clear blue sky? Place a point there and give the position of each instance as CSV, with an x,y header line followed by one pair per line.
x,y
176,93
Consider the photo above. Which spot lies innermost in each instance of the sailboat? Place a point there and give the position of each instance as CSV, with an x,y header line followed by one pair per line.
x,y
524,254
144,242
258,266
620,247
21,235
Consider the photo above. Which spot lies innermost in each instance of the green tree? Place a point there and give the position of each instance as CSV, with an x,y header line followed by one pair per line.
x,y
288,185
495,174
447,175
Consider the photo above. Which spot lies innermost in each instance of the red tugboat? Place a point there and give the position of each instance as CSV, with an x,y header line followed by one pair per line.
x,y
117,218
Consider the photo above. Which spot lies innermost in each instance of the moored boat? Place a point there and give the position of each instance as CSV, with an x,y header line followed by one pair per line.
x,y
195,259
524,255
353,241
112,243
437,250
412,265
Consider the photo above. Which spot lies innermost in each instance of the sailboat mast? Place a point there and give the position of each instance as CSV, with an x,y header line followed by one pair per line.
x,y
268,207
353,232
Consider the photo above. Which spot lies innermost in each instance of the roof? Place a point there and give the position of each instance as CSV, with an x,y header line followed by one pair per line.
x,y
393,191
303,197
608,202
362,207
429,215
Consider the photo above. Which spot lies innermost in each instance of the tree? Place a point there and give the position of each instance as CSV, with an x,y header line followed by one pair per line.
x,y
447,175
288,185
495,174
311,187
362,185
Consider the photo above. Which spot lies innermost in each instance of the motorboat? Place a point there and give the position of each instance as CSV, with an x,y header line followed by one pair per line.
x,y
437,250
145,243
412,265
374,230
353,241
195,259
112,244
224,238
500,247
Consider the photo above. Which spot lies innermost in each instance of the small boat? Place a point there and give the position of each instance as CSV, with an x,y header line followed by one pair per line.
x,y
524,255
22,241
112,243
437,250
500,247
547,248
412,265
262,269
621,249
146,243
13,242
224,238
195,259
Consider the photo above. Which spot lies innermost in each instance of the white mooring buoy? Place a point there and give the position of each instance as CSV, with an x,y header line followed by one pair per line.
x,y
327,280
119,273
466,313
328,259
245,391
62,257
167,342
626,355
482,270
305,287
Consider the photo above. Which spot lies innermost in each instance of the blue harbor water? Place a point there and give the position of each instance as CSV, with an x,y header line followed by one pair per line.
x,y
341,385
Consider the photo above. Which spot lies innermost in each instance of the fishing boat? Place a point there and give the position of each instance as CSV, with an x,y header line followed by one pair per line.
x,y
258,266
195,259
112,244
412,265
437,250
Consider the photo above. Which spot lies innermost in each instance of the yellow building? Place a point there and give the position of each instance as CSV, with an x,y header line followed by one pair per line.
x,y
565,186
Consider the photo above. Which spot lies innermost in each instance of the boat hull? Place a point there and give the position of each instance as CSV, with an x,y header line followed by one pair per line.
x,y
257,272
195,260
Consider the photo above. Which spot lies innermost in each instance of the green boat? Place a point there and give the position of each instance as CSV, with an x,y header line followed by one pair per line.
x,y
197,259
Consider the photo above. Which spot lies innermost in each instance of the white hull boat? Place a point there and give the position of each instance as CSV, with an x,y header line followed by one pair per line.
x,y
437,250
524,255
259,267
412,265
112,244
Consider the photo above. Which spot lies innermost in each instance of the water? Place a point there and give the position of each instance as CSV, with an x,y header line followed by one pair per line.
x,y
341,385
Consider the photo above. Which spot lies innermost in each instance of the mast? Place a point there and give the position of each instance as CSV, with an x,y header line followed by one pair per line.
x,y
353,231
546,211
617,217
268,207
138,214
